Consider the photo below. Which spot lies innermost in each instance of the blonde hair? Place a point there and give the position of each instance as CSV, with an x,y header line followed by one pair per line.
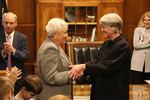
x,y
59,97
141,22
6,86
113,20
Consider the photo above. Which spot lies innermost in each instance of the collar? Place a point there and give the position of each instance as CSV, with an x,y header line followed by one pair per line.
x,y
11,34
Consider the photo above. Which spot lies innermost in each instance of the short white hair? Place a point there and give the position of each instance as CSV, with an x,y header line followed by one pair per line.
x,y
8,14
55,25
113,20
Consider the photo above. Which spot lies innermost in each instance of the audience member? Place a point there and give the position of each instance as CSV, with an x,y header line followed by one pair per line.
x,y
110,71
52,61
140,63
31,86
7,84
6,89
13,46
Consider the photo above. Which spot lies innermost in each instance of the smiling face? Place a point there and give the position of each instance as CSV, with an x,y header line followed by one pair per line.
x,y
108,31
9,23
146,22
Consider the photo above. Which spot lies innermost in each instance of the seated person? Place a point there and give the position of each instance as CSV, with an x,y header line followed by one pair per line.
x,y
7,84
6,89
31,86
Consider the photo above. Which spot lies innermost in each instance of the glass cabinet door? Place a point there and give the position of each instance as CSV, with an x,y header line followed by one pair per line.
x,y
82,22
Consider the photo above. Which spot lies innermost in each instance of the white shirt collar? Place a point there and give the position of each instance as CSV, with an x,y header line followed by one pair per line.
x,y
11,34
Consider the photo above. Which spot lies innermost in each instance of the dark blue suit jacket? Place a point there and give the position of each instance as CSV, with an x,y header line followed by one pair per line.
x,y
20,43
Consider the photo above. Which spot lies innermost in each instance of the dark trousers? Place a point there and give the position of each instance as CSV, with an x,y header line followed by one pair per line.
x,y
139,77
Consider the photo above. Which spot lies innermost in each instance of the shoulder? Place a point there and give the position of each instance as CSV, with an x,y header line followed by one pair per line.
x,y
121,42
138,29
21,35
48,45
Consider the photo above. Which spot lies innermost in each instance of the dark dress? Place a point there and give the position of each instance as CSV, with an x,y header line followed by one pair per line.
x,y
110,71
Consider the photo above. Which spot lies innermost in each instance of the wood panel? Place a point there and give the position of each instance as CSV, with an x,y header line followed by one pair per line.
x,y
29,31
107,7
137,92
44,12
25,11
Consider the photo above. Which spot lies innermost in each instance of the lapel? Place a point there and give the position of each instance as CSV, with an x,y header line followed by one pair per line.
x,y
15,40
61,51
63,55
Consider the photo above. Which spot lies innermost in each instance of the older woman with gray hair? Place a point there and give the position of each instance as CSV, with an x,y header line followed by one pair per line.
x,y
110,70
52,61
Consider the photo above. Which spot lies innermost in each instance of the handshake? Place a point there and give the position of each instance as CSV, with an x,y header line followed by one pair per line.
x,y
76,71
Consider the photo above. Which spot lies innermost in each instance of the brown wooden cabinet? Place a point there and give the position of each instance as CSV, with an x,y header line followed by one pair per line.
x,y
78,14
81,18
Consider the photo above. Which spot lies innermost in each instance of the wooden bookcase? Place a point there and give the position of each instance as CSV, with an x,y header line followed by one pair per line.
x,y
81,18
76,13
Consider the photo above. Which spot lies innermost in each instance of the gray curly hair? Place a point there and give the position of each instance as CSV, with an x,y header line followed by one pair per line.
x,y
55,25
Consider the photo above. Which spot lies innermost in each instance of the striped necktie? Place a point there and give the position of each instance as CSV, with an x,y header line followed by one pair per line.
x,y
9,65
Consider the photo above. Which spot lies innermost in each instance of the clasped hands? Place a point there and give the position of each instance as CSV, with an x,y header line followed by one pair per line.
x,y
76,71
8,48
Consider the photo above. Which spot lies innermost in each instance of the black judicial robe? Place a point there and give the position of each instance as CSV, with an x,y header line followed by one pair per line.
x,y
110,71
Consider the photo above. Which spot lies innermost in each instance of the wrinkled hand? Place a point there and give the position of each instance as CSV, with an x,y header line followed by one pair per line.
x,y
76,71
13,74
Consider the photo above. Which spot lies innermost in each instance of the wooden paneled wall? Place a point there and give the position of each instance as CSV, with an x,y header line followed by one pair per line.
x,y
45,10
26,12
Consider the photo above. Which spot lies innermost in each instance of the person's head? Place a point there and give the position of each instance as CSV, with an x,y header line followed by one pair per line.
x,y
59,97
145,20
9,22
6,89
57,30
31,86
111,25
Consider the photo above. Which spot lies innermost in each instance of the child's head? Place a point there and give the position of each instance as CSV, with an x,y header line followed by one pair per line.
x,y
6,89
31,86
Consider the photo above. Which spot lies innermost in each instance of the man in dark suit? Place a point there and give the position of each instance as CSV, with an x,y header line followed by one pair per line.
x,y
17,48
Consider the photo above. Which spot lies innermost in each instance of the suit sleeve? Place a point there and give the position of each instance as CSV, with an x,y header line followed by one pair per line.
x,y
22,53
118,58
138,42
